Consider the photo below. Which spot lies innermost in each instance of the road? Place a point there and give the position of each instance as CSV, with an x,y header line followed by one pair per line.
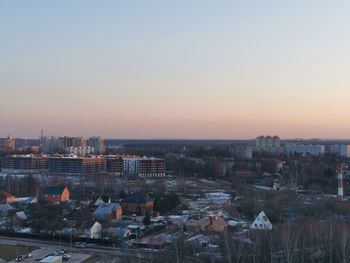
x,y
98,250
55,246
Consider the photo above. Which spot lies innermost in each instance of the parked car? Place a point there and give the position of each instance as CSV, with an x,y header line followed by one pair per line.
x,y
79,245
66,257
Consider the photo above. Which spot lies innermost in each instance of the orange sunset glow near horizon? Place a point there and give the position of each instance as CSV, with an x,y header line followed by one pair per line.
x,y
182,70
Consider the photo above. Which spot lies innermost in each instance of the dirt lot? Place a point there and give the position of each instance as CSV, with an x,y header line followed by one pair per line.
x,y
9,252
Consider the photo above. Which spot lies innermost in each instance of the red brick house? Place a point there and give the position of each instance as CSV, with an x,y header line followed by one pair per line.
x,y
56,194
138,203
6,198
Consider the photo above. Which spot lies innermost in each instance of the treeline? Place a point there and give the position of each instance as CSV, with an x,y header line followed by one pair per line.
x,y
21,186
164,203
290,243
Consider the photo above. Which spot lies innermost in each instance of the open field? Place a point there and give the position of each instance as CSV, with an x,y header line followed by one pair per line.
x,y
9,252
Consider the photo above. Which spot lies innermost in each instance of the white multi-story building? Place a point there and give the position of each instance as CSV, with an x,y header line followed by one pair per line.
x,y
340,149
80,151
98,144
144,166
79,142
51,144
312,149
268,143
59,144
131,165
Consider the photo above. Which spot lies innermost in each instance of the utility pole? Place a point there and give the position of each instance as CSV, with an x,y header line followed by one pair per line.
x,y
340,177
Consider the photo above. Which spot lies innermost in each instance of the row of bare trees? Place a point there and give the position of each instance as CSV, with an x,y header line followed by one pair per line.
x,y
312,241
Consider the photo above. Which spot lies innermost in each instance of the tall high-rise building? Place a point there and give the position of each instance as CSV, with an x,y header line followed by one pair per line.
x,y
66,142
98,144
268,143
59,144
52,145
79,142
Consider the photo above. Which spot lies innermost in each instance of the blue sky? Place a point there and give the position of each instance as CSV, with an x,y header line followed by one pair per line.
x,y
180,69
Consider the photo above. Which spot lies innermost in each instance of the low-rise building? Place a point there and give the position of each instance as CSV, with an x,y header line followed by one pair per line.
x,y
261,222
95,230
138,203
52,259
108,211
56,194
104,199
6,198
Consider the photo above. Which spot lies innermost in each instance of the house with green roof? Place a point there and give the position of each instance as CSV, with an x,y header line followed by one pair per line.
x,y
56,194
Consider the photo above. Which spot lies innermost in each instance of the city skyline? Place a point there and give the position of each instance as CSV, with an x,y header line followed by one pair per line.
x,y
184,70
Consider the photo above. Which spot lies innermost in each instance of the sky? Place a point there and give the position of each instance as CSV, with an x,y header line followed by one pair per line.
x,y
175,69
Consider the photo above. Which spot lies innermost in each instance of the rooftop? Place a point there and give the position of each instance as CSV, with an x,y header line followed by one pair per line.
x,y
54,190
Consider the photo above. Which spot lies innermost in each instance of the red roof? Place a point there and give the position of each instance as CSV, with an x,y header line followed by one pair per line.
x,y
6,194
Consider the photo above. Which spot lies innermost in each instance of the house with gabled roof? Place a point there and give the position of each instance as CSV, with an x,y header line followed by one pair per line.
x,y
6,198
6,209
261,222
91,229
138,203
108,211
56,194
104,199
